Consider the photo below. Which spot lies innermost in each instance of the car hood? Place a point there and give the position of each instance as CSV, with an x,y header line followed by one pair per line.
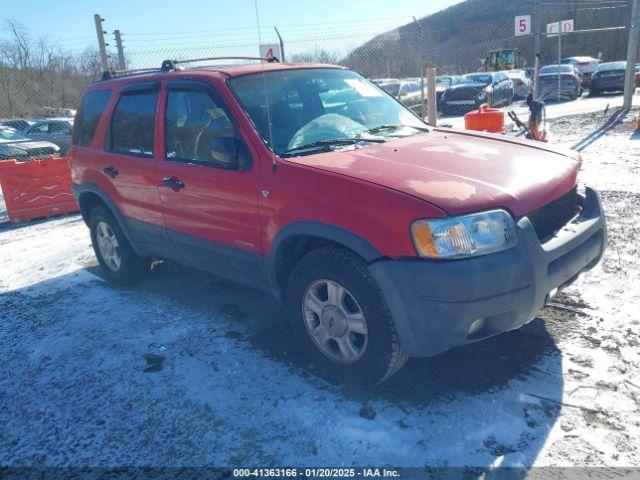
x,y
459,171
458,86
28,144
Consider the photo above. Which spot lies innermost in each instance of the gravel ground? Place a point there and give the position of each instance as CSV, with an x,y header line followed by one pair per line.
x,y
186,369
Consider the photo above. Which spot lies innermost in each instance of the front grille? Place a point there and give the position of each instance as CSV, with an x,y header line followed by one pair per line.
x,y
551,217
462,94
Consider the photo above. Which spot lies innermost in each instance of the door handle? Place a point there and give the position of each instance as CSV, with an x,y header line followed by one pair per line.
x,y
110,171
173,183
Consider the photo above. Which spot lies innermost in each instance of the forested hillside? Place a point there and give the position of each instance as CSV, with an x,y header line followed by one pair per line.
x,y
457,39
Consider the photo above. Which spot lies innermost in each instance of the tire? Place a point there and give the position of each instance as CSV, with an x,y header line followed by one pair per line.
x,y
131,268
379,354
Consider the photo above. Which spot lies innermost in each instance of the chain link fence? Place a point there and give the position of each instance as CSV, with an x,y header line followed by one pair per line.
x,y
39,79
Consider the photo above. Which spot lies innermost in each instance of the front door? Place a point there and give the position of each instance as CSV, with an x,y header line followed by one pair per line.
x,y
209,184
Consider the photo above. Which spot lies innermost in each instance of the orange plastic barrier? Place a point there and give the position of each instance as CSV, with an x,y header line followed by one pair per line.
x,y
485,118
37,188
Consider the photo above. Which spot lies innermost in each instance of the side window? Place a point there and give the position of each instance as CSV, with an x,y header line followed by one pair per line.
x,y
132,124
58,127
88,117
40,128
197,130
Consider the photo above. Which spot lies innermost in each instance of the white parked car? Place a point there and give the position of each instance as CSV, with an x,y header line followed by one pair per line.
x,y
521,83
585,65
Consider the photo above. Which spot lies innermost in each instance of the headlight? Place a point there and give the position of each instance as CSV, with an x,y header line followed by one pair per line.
x,y
464,236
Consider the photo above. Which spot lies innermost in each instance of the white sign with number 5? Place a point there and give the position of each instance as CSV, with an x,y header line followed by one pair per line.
x,y
523,25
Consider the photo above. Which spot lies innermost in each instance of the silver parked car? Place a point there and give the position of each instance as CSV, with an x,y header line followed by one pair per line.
x,y
566,77
14,145
585,65
521,83
407,92
57,131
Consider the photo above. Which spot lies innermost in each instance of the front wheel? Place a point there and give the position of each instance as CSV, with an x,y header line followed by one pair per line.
x,y
341,319
119,262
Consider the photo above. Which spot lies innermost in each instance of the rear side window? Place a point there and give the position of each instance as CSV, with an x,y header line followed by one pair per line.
x,y
88,117
132,124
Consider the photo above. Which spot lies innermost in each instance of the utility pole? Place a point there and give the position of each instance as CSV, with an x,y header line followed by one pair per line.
x,y
101,44
536,47
122,65
632,53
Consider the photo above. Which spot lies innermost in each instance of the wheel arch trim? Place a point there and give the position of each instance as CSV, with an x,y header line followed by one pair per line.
x,y
333,233
79,190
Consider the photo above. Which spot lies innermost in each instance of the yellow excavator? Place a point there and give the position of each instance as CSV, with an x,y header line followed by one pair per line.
x,y
502,59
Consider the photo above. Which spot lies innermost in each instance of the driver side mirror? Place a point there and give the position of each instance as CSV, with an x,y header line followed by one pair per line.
x,y
230,152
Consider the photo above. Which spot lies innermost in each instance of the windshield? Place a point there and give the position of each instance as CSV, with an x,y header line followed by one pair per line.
x,y
605,67
10,134
316,105
478,78
556,69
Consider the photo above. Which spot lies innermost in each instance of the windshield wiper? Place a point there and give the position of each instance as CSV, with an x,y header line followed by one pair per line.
x,y
326,145
395,127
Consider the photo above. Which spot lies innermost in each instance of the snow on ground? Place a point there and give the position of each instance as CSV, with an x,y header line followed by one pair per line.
x,y
554,109
186,369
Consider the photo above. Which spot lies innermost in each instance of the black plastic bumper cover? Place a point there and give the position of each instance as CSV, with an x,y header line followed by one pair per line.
x,y
434,303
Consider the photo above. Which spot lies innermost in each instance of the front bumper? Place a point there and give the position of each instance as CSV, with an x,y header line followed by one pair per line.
x,y
434,303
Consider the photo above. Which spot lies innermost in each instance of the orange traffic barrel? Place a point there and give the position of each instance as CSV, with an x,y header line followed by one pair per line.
x,y
485,119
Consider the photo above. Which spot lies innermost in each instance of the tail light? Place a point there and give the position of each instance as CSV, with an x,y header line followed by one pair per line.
x,y
567,77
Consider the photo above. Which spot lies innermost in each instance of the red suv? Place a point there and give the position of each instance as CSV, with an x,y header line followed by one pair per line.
x,y
384,237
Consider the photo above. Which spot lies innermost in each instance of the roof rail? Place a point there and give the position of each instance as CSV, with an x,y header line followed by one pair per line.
x,y
123,73
169,65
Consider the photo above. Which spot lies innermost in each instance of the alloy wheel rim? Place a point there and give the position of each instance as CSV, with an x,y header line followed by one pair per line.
x,y
108,246
335,321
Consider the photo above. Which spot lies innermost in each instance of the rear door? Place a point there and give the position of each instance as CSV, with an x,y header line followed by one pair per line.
x,y
209,183
129,165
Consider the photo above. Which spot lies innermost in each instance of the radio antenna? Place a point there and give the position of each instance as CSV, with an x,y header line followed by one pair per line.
x,y
274,165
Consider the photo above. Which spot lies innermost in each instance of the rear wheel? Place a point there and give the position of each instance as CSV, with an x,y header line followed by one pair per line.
x,y
119,262
340,318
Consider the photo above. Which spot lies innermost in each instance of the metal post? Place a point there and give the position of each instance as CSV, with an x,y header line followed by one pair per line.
x,y
421,66
101,44
432,108
281,44
632,53
536,47
559,60
122,65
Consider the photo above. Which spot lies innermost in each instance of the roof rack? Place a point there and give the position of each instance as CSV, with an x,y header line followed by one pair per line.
x,y
172,65
169,65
